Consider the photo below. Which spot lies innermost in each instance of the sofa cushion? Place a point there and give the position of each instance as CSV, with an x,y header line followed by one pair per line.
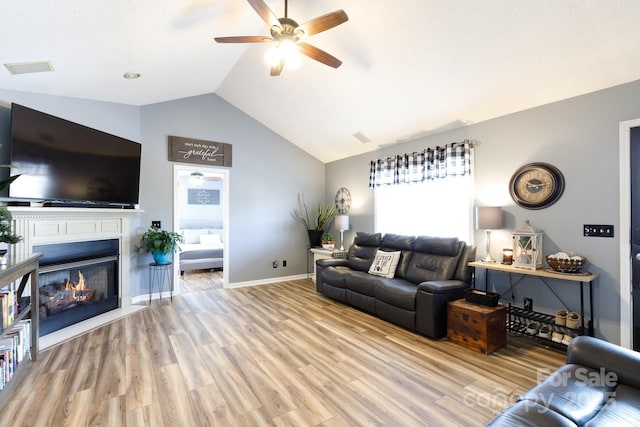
x,y
335,275
526,413
384,263
397,292
569,392
622,409
363,250
435,258
404,244
362,282
445,246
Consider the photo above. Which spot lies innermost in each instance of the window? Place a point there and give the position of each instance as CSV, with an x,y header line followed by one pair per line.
x,y
425,193
440,208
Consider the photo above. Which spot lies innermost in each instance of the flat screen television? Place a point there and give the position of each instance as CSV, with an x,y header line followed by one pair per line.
x,y
69,164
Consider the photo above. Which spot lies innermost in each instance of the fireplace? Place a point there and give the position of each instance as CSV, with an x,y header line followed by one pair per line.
x,y
45,227
77,281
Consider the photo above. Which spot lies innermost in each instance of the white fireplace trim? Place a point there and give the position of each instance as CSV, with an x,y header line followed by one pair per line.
x,y
43,225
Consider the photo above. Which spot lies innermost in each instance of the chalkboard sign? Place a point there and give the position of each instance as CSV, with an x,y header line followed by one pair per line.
x,y
199,196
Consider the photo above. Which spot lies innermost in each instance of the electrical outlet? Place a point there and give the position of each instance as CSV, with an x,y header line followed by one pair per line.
x,y
284,262
156,224
591,230
528,304
275,264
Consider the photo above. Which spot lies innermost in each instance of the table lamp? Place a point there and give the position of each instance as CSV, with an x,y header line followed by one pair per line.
x,y
341,223
488,218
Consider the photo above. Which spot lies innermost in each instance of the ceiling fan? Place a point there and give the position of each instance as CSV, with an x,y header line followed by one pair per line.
x,y
286,32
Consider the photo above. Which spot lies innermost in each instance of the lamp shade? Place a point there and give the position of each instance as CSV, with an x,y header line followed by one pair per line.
x,y
342,222
488,217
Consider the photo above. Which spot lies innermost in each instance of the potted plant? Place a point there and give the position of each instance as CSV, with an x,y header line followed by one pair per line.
x,y
327,241
6,234
161,244
314,221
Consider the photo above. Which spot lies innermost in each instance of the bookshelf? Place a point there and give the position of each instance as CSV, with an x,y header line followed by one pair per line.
x,y
20,271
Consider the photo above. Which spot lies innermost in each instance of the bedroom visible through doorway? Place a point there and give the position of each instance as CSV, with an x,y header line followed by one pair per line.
x,y
200,216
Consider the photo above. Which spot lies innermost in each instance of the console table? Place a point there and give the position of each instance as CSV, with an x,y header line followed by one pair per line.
x,y
581,279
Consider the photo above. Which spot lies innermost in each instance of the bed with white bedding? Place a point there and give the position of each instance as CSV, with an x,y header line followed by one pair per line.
x,y
202,249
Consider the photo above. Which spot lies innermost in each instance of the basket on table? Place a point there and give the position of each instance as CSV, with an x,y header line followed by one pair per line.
x,y
566,263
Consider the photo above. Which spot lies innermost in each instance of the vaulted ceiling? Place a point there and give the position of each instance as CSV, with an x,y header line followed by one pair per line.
x,y
410,67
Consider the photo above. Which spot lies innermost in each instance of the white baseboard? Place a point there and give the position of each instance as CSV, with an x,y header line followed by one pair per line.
x,y
267,281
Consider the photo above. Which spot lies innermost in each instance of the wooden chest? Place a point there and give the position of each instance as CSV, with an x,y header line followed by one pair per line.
x,y
477,327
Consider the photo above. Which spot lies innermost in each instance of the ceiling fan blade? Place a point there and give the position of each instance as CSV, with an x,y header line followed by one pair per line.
x,y
265,13
243,39
318,54
324,22
277,69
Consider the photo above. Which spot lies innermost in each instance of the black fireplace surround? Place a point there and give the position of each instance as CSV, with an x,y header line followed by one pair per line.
x,y
77,281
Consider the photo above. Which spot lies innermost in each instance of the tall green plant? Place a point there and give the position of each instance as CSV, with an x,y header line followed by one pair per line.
x,y
318,218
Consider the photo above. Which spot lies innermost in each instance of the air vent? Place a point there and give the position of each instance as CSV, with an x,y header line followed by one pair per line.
x,y
29,67
361,137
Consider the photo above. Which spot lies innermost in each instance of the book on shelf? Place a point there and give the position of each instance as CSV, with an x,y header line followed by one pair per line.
x,y
8,307
14,348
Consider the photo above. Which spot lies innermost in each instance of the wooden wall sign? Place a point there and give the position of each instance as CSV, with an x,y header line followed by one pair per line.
x,y
198,151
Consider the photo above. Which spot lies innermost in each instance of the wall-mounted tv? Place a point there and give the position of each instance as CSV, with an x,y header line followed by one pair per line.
x,y
68,164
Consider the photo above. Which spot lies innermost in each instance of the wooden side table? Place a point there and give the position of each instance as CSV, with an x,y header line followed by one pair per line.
x,y
477,327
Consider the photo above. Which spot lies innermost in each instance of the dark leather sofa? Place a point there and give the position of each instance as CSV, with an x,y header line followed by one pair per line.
x,y
598,386
431,272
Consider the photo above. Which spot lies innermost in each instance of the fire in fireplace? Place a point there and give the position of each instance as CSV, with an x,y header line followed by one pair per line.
x,y
77,281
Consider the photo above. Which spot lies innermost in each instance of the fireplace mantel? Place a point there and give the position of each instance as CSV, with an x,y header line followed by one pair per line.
x,y
48,225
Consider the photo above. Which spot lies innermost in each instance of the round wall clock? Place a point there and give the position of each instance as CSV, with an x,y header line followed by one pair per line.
x,y
343,200
536,185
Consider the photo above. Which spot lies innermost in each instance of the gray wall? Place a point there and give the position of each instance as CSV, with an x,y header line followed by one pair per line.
x,y
580,137
268,173
266,176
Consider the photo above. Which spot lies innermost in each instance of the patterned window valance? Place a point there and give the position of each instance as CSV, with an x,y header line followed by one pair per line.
x,y
431,163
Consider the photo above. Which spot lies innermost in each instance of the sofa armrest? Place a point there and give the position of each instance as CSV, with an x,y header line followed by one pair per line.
x,y
331,262
442,286
597,354
432,298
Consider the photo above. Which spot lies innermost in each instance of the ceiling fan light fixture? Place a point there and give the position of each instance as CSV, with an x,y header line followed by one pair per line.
x,y
286,52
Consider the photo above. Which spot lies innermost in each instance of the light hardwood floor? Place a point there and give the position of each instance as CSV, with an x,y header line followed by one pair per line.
x,y
268,355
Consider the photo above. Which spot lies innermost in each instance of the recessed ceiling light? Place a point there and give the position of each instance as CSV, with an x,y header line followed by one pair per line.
x,y
130,75
29,67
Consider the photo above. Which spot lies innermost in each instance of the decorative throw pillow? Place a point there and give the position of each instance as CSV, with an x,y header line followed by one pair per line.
x,y
385,263
210,239
192,235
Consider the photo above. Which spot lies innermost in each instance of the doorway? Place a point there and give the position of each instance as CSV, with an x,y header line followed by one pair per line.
x,y
201,215
630,234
